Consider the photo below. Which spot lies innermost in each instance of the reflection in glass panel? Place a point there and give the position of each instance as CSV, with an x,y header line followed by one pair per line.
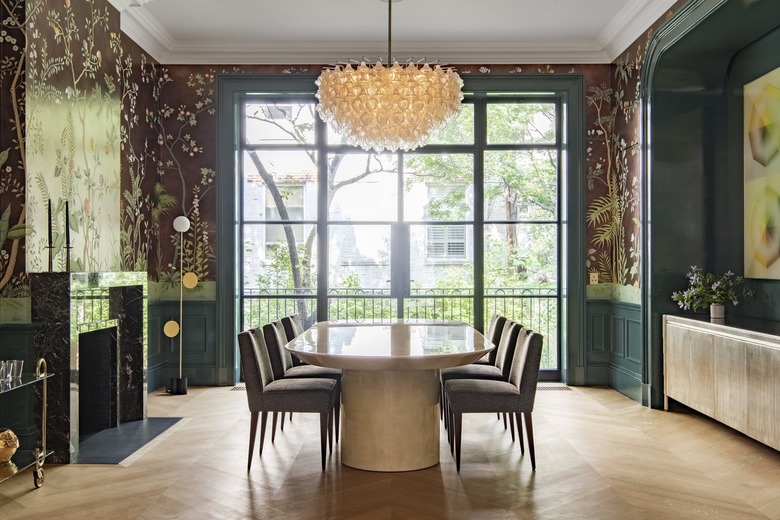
x,y
279,123
279,183
521,256
438,187
521,185
521,123
458,131
363,187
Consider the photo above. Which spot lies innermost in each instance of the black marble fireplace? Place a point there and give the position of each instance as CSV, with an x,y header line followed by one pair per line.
x,y
98,396
107,309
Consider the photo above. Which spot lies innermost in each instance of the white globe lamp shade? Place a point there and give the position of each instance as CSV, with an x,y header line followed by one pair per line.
x,y
181,224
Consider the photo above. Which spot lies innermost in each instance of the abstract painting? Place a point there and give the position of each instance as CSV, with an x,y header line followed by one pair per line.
x,y
762,176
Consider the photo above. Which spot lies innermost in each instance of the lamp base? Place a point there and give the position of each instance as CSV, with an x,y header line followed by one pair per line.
x,y
178,386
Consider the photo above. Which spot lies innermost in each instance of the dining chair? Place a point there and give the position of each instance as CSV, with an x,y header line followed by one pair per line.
x,y
293,326
499,371
495,326
266,394
282,365
515,396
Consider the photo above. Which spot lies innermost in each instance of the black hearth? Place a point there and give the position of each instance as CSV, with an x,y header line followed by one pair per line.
x,y
98,396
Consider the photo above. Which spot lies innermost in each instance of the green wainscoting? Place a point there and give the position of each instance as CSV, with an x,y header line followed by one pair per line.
x,y
614,349
201,363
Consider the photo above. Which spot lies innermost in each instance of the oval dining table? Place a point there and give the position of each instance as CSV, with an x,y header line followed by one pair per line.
x,y
390,385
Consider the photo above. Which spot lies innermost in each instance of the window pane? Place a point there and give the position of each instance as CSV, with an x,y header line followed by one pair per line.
x,y
261,307
280,122
521,256
535,310
438,187
359,259
459,130
292,189
521,123
363,187
521,185
267,258
442,273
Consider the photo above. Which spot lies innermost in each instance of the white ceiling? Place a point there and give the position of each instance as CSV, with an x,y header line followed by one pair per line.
x,y
328,31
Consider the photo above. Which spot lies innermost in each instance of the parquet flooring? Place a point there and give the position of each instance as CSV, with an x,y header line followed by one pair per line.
x,y
599,456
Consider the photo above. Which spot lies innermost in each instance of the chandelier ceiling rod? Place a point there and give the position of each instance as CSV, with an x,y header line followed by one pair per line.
x,y
389,31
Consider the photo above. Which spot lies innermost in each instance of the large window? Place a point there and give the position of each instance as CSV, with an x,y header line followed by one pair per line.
x,y
461,228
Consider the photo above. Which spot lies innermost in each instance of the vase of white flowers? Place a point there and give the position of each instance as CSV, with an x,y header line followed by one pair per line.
x,y
711,290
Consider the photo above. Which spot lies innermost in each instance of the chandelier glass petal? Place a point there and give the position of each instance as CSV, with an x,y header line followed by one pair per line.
x,y
388,108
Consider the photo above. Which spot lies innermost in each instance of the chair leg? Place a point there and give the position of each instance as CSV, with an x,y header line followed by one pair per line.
x,y
337,410
281,427
448,418
263,422
511,426
273,426
529,431
323,436
504,421
520,432
252,433
331,420
457,426
291,416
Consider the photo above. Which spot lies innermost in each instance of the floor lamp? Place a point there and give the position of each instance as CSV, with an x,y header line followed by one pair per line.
x,y
178,385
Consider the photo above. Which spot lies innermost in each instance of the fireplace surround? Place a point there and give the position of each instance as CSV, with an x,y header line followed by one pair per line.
x,y
68,306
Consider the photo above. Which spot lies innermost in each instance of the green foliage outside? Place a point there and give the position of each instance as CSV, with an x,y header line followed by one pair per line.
x,y
519,259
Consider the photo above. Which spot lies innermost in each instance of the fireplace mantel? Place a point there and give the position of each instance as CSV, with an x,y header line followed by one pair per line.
x,y
65,305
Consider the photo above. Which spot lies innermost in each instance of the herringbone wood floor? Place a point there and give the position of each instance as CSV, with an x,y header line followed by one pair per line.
x,y
599,455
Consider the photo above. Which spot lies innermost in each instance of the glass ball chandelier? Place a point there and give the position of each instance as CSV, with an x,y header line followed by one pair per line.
x,y
388,107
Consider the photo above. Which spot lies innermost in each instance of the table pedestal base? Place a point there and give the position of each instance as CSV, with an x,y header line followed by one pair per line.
x,y
390,419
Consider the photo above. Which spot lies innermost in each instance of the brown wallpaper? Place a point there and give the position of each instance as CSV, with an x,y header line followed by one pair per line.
x,y
168,163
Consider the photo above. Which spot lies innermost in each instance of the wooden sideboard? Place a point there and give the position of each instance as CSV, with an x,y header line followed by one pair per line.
x,y
729,371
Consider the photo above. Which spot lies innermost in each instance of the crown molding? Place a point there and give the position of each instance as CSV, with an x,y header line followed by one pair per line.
x,y
145,30
296,53
629,24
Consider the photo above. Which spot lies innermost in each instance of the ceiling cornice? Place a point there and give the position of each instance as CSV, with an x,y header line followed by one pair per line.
x,y
628,25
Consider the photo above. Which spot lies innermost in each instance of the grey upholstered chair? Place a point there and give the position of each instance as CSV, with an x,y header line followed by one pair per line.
x,y
268,394
515,396
281,362
495,326
499,371
293,327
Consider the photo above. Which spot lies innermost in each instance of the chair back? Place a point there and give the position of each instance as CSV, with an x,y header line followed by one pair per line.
x,y
495,326
525,367
506,347
255,365
275,340
293,326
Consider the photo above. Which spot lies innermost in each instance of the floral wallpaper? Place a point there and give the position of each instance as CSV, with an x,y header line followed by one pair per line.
x,y
73,132
614,167
14,227
133,148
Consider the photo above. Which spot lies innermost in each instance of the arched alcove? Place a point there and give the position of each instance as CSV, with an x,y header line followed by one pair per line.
x,y
693,177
